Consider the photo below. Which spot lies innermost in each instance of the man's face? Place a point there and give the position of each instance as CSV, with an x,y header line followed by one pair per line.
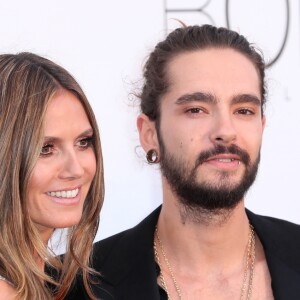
x,y
211,127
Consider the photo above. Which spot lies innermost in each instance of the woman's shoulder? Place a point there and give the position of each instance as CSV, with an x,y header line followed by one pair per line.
x,y
6,290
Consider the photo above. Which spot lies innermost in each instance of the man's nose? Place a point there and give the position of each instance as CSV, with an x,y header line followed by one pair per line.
x,y
223,130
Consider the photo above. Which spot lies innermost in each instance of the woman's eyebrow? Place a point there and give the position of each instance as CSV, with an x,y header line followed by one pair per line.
x,y
53,139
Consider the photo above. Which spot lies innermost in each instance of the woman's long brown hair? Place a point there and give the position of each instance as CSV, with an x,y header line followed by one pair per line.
x,y
27,83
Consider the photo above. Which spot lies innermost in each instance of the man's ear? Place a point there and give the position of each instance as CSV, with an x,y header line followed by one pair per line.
x,y
147,133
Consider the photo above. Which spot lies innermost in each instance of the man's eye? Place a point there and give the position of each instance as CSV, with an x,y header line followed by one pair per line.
x,y
46,150
195,110
245,111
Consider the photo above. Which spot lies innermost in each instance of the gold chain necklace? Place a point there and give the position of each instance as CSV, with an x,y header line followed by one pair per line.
x,y
250,261
248,273
161,276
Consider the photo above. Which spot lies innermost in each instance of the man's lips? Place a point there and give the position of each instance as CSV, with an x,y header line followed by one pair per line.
x,y
223,155
224,158
225,162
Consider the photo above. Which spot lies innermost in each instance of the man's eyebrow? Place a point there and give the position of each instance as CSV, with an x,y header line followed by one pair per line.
x,y
209,98
197,96
246,98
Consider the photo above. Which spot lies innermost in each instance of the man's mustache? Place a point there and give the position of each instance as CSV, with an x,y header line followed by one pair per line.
x,y
221,149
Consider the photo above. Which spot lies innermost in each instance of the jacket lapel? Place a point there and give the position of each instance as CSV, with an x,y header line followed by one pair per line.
x,y
280,240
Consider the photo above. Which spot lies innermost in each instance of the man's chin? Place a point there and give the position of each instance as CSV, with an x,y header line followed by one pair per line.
x,y
223,185
211,196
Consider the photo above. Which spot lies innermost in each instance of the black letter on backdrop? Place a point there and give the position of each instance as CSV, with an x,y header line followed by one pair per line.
x,y
287,25
188,10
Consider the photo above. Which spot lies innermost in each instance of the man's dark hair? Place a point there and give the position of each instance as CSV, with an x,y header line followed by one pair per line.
x,y
185,39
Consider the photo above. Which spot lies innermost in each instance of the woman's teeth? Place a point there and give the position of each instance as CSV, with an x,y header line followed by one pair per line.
x,y
64,194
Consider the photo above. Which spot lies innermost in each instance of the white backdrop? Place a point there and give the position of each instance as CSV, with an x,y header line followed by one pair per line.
x,y
104,45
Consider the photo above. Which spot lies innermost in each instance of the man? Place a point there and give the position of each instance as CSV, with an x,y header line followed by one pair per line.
x,y
202,119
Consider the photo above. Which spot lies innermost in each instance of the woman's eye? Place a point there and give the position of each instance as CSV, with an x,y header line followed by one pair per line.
x,y
46,149
86,142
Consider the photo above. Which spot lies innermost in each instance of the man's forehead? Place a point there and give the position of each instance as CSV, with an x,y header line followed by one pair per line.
x,y
213,70
212,57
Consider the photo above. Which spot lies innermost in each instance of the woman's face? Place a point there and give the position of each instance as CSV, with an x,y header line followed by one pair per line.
x,y
66,167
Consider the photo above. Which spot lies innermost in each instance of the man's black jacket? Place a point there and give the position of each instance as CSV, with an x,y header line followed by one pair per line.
x,y
128,270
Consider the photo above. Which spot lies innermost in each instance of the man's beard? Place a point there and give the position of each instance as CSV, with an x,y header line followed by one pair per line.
x,y
207,197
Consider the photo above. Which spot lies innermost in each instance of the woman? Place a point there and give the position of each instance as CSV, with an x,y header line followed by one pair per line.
x,y
51,176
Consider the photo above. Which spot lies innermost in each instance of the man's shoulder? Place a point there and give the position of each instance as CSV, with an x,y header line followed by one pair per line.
x,y
276,225
275,232
281,223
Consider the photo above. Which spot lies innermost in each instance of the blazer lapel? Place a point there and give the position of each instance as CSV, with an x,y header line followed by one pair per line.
x,y
281,243
285,280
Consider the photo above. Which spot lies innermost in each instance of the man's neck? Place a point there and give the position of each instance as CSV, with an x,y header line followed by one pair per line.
x,y
219,240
